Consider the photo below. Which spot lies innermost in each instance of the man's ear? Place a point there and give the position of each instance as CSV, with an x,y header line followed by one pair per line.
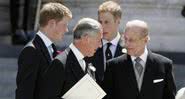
x,y
147,39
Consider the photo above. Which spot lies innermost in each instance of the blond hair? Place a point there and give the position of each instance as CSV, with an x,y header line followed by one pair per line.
x,y
54,11
112,7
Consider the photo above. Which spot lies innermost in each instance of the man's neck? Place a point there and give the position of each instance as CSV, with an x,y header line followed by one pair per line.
x,y
80,47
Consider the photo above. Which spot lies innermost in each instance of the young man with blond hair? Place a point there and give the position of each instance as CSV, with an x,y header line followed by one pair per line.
x,y
109,15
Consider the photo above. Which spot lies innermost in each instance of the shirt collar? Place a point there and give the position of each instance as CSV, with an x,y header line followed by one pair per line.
x,y
142,56
76,52
114,41
45,39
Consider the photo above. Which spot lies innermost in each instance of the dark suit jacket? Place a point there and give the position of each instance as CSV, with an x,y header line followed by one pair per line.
x,y
32,64
59,80
120,81
98,60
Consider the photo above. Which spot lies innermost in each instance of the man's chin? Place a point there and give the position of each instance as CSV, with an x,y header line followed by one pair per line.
x,y
105,36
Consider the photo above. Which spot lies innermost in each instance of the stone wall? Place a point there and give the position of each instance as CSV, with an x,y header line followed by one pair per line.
x,y
4,17
163,16
167,25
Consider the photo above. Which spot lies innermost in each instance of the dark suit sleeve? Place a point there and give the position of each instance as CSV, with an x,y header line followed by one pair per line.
x,y
27,73
55,77
108,81
170,89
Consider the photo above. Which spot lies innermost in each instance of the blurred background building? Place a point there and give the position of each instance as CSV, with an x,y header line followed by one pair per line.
x,y
18,24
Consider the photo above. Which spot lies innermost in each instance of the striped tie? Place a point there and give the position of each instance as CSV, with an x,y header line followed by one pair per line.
x,y
138,66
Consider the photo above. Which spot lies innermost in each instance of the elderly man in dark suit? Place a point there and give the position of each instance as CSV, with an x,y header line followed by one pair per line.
x,y
38,53
87,38
139,74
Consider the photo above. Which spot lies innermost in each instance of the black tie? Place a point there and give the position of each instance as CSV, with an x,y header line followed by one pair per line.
x,y
108,53
54,50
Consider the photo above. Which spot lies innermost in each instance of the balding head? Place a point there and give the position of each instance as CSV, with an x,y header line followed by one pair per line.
x,y
136,37
137,26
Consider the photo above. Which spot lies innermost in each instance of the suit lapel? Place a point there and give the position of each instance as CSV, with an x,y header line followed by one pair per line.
x,y
42,47
148,75
99,63
119,48
75,66
131,75
118,51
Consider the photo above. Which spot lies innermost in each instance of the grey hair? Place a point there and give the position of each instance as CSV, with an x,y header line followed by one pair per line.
x,y
86,26
143,26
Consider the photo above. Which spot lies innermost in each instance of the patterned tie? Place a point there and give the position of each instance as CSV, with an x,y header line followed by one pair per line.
x,y
86,59
54,50
108,53
88,68
138,66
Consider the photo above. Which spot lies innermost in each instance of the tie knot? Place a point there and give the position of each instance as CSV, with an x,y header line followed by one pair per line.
x,y
138,59
53,46
54,50
87,59
109,44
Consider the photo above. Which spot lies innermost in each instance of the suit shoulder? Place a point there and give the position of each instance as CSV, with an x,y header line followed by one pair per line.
x,y
30,44
162,58
29,50
117,59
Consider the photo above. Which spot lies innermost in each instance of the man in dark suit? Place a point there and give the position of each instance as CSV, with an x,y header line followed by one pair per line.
x,y
38,53
109,15
87,38
139,74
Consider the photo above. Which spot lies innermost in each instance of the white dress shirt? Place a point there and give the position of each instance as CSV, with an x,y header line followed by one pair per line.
x,y
78,55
